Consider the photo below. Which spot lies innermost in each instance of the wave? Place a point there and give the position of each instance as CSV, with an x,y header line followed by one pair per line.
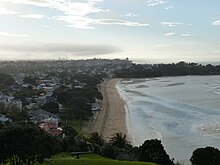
x,y
179,119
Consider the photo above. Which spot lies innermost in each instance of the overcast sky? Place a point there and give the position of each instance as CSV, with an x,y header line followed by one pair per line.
x,y
142,30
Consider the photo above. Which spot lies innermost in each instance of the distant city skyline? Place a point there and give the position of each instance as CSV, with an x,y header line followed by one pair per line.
x,y
142,30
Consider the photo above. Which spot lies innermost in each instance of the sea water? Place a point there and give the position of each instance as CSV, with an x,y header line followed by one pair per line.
x,y
183,112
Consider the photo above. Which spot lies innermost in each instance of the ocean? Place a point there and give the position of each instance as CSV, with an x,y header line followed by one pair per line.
x,y
183,112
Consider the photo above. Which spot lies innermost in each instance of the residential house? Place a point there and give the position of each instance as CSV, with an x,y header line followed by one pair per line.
x,y
17,103
41,100
32,106
95,107
40,116
6,100
48,122
4,119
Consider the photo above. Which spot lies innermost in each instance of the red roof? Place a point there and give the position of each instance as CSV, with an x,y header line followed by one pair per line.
x,y
55,132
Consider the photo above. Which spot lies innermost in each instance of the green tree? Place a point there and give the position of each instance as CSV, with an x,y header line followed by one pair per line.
x,y
26,144
18,115
153,151
110,151
96,138
119,140
97,142
2,107
69,131
6,79
205,156
70,140
30,80
51,107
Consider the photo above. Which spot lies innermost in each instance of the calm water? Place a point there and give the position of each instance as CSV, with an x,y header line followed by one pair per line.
x,y
184,112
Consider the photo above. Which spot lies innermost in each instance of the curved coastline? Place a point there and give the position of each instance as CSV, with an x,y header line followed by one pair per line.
x,y
112,117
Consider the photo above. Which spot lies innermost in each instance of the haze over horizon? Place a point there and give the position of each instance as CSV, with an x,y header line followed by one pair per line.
x,y
145,30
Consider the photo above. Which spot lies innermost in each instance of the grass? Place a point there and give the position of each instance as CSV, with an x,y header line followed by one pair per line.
x,y
90,159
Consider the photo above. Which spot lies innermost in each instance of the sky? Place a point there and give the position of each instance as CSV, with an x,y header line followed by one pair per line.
x,y
146,31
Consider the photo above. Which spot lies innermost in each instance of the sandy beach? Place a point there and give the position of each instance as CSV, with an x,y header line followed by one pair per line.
x,y
111,118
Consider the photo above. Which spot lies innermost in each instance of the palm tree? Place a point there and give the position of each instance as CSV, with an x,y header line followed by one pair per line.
x,y
119,140
96,138
96,141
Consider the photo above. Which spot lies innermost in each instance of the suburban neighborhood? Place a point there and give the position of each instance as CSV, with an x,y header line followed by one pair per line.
x,y
32,91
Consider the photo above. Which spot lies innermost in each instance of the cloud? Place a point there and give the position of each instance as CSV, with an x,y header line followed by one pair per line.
x,y
131,15
187,35
78,8
65,6
74,49
169,34
76,21
40,3
86,23
12,35
77,14
33,16
4,11
156,2
119,22
216,23
171,24
169,7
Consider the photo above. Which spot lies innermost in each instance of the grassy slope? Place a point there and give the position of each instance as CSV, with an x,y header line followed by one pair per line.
x,y
90,160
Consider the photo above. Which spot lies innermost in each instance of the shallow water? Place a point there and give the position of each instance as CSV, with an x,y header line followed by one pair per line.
x,y
184,112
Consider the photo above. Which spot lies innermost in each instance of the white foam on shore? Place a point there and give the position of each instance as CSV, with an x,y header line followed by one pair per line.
x,y
183,112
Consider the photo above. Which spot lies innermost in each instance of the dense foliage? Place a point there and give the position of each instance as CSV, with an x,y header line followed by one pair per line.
x,y
77,101
5,81
153,151
119,140
25,144
52,107
206,156
119,148
179,69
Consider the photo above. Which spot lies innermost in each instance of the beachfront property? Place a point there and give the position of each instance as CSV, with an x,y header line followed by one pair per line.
x,y
95,107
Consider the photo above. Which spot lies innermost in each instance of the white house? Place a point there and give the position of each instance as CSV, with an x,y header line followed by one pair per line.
x,y
16,103
3,119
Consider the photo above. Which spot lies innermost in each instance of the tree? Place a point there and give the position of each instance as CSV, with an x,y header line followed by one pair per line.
x,y
51,107
119,140
9,81
153,151
69,131
97,142
2,107
109,151
96,138
6,79
30,80
18,115
71,141
205,156
26,144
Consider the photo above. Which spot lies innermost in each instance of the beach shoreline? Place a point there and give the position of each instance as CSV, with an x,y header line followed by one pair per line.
x,y
112,116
